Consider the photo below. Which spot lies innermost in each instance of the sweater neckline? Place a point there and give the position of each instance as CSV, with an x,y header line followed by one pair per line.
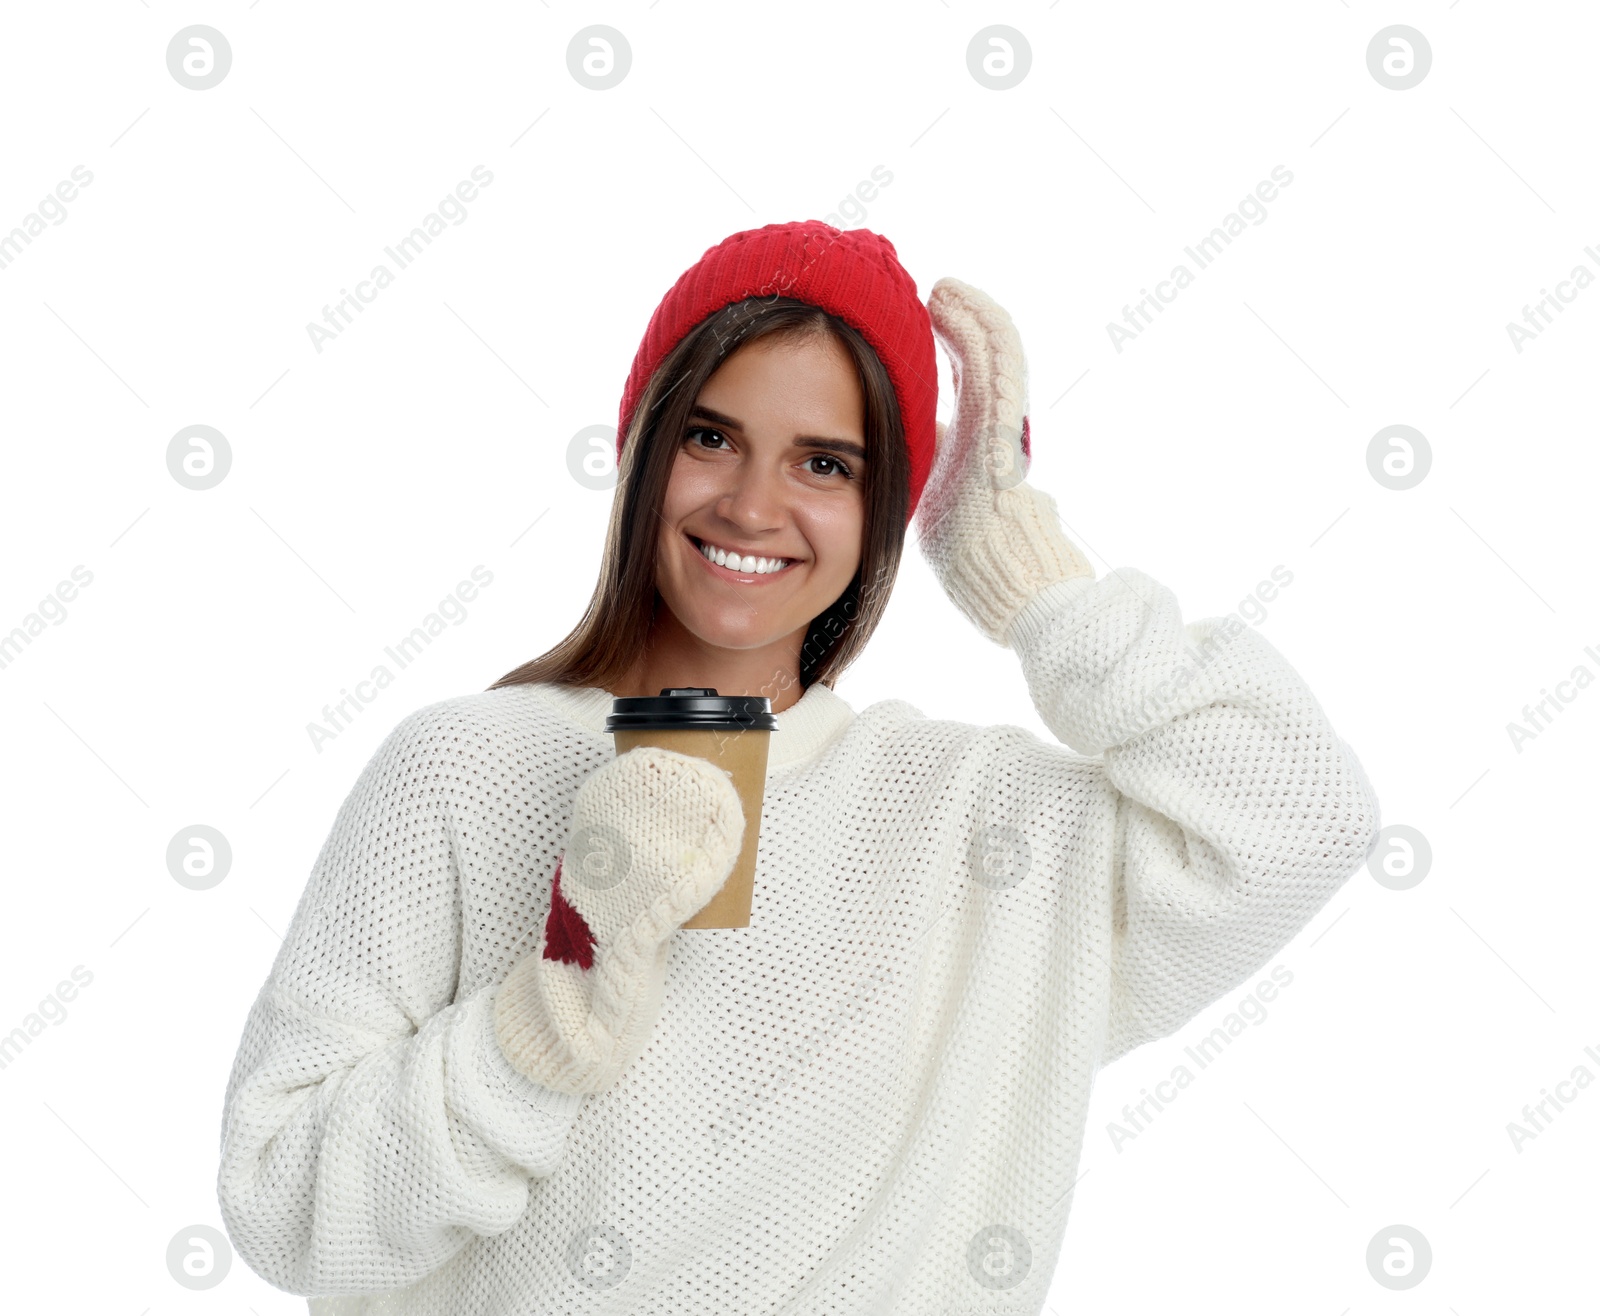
x,y
812,723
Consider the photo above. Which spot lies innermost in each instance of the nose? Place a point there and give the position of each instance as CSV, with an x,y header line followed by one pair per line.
x,y
754,498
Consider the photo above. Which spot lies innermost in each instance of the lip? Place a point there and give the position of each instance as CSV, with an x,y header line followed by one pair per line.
x,y
741,577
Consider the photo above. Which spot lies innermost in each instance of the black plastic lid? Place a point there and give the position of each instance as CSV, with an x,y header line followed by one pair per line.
x,y
692,708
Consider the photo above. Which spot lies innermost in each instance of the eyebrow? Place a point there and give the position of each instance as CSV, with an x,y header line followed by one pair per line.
x,y
801,440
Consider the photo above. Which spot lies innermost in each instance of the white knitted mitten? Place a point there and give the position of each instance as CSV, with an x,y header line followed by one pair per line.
x,y
992,538
654,835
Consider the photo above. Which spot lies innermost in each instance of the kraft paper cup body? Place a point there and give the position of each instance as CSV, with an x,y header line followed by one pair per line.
x,y
742,753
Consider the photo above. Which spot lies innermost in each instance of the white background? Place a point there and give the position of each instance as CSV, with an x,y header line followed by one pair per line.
x,y
1230,437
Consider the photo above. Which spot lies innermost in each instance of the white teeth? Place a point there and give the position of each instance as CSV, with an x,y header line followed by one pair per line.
x,y
748,564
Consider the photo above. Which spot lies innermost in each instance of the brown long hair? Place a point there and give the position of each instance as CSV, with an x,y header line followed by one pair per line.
x,y
605,644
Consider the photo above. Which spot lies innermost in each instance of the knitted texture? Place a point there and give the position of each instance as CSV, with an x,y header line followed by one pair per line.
x,y
851,273
862,1102
654,836
993,539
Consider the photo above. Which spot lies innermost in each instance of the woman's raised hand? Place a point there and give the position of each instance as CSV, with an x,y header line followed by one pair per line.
x,y
993,539
654,836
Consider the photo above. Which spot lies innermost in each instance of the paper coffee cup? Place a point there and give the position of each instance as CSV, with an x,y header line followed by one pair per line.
x,y
732,731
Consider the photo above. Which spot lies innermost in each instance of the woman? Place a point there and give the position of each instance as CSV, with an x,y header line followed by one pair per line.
x,y
467,1087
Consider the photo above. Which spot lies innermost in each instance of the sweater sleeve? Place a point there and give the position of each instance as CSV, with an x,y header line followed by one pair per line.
x,y
372,1125
1239,811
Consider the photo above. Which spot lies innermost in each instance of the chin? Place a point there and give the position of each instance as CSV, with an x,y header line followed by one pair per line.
x,y
725,631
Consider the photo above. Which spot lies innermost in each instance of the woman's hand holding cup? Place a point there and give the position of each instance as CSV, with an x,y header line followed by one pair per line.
x,y
654,835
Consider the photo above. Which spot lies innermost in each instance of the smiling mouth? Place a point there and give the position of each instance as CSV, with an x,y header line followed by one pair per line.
x,y
749,567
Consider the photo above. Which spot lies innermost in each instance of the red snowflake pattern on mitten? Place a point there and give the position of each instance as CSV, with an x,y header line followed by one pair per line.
x,y
566,936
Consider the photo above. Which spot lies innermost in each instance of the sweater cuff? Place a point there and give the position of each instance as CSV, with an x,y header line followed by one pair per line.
x,y
521,1121
493,1068
1044,610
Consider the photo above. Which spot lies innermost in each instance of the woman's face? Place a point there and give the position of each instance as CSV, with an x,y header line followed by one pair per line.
x,y
771,467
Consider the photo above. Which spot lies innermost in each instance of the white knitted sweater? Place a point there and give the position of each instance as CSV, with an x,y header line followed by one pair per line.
x,y
872,1100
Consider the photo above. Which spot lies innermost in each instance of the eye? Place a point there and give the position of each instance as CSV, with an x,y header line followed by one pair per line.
x,y
836,467
700,429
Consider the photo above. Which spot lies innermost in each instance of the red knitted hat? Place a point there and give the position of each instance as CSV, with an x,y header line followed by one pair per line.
x,y
851,273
